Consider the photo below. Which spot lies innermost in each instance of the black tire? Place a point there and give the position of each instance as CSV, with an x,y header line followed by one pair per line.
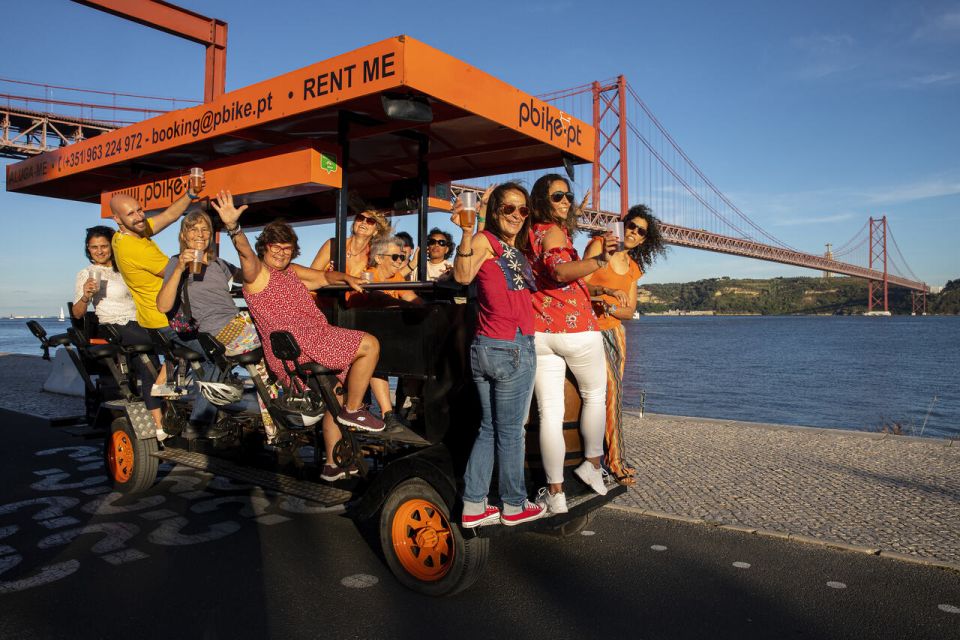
x,y
128,460
453,562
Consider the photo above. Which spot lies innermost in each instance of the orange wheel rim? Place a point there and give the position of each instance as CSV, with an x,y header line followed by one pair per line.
x,y
422,540
120,457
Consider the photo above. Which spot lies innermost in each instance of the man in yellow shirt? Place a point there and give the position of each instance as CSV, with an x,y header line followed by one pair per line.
x,y
142,263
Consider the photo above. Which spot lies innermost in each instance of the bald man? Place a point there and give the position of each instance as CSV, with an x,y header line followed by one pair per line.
x,y
142,263
139,259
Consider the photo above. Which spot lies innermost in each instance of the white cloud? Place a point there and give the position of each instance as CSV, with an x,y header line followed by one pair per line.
x,y
824,55
940,28
933,80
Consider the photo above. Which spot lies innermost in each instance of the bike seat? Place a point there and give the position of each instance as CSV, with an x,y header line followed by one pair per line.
x,y
138,348
103,350
250,357
186,354
59,340
318,369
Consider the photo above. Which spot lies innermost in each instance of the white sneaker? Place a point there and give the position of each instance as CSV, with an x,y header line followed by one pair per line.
x,y
592,476
162,435
553,502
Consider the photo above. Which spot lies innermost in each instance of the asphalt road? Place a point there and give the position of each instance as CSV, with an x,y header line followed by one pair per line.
x,y
204,557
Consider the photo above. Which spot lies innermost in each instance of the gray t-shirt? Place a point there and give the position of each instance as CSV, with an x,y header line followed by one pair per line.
x,y
210,301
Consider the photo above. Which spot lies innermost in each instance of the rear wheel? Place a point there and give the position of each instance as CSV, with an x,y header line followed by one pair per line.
x,y
423,548
130,465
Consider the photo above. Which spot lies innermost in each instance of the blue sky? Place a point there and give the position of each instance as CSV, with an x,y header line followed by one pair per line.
x,y
810,117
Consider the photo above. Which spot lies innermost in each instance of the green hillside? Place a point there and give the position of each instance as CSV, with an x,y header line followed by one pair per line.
x,y
783,296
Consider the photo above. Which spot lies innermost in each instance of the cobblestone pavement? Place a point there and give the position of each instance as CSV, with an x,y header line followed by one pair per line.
x,y
21,381
893,494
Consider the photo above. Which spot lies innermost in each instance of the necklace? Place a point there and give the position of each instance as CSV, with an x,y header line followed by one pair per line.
x,y
350,254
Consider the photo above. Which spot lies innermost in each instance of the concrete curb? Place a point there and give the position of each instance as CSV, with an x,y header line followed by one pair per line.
x,y
795,537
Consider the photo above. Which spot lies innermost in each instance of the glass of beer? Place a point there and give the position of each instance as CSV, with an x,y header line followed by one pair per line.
x,y
93,275
199,259
196,179
468,214
616,230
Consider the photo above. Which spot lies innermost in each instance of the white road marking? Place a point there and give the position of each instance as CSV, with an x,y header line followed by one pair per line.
x,y
587,532
836,585
949,608
360,581
658,547
742,565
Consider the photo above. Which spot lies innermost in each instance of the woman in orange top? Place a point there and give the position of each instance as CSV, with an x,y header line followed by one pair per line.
x,y
616,284
368,226
386,262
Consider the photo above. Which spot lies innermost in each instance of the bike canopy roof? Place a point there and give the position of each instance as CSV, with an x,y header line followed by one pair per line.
x,y
404,118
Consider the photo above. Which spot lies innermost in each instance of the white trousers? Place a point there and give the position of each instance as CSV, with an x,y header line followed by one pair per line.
x,y
583,353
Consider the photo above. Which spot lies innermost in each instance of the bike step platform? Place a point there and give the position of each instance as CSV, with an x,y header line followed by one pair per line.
x,y
326,495
402,434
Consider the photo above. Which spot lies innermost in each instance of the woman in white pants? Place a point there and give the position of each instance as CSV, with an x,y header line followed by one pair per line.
x,y
566,336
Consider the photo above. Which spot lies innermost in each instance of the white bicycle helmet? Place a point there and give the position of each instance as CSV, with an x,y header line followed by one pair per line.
x,y
301,411
221,393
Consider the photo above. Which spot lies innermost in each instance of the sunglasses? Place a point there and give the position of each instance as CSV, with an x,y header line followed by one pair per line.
x,y
366,220
433,241
507,209
279,251
557,196
640,231
396,257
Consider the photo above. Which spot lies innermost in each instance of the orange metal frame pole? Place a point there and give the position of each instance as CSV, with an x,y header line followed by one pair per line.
x,y
170,18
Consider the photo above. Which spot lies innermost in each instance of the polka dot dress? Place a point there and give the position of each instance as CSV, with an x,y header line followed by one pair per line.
x,y
286,305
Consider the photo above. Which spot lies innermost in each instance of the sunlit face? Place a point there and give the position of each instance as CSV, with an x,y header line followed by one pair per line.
x,y
560,209
129,215
437,247
390,260
511,223
100,251
198,235
634,233
278,255
364,225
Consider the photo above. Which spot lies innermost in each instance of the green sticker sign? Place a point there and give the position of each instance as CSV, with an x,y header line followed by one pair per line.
x,y
328,162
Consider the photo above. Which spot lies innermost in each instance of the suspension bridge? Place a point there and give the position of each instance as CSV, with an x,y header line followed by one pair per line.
x,y
636,160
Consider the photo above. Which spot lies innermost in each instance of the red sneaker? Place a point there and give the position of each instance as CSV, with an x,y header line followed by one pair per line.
x,y
531,511
490,516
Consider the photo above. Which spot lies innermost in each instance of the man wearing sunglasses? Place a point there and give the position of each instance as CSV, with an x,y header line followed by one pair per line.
x,y
439,247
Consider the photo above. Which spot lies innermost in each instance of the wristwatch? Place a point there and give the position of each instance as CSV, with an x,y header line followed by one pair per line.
x,y
233,232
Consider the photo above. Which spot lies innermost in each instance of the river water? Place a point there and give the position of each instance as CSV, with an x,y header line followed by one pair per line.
x,y
843,372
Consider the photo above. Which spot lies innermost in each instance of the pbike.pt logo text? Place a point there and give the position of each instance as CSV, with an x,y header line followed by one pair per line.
x,y
555,122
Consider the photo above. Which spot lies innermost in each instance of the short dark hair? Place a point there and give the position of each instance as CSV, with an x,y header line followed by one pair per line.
x,y
449,238
276,232
493,213
540,208
405,237
653,247
100,231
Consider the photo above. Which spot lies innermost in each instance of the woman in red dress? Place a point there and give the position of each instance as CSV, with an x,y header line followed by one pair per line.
x,y
277,294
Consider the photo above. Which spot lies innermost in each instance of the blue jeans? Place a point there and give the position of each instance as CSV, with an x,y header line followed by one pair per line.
x,y
204,412
503,371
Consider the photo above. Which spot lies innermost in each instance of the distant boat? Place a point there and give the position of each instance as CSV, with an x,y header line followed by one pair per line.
x,y
636,315
62,317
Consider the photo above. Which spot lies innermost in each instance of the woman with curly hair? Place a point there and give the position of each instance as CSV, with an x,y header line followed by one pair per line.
x,y
616,285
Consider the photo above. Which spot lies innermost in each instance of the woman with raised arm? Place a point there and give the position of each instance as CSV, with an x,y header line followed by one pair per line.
x,y
277,294
616,284
502,356
566,336
367,227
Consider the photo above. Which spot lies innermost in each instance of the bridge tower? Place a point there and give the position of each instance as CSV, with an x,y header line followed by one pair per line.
x,y
878,253
828,254
919,303
610,123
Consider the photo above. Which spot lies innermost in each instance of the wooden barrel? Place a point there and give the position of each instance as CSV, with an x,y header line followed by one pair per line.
x,y
571,428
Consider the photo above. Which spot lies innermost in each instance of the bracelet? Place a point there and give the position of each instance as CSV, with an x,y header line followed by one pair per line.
x,y
84,300
233,233
192,196
463,255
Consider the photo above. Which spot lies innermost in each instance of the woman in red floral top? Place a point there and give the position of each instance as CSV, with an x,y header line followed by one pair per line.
x,y
566,336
